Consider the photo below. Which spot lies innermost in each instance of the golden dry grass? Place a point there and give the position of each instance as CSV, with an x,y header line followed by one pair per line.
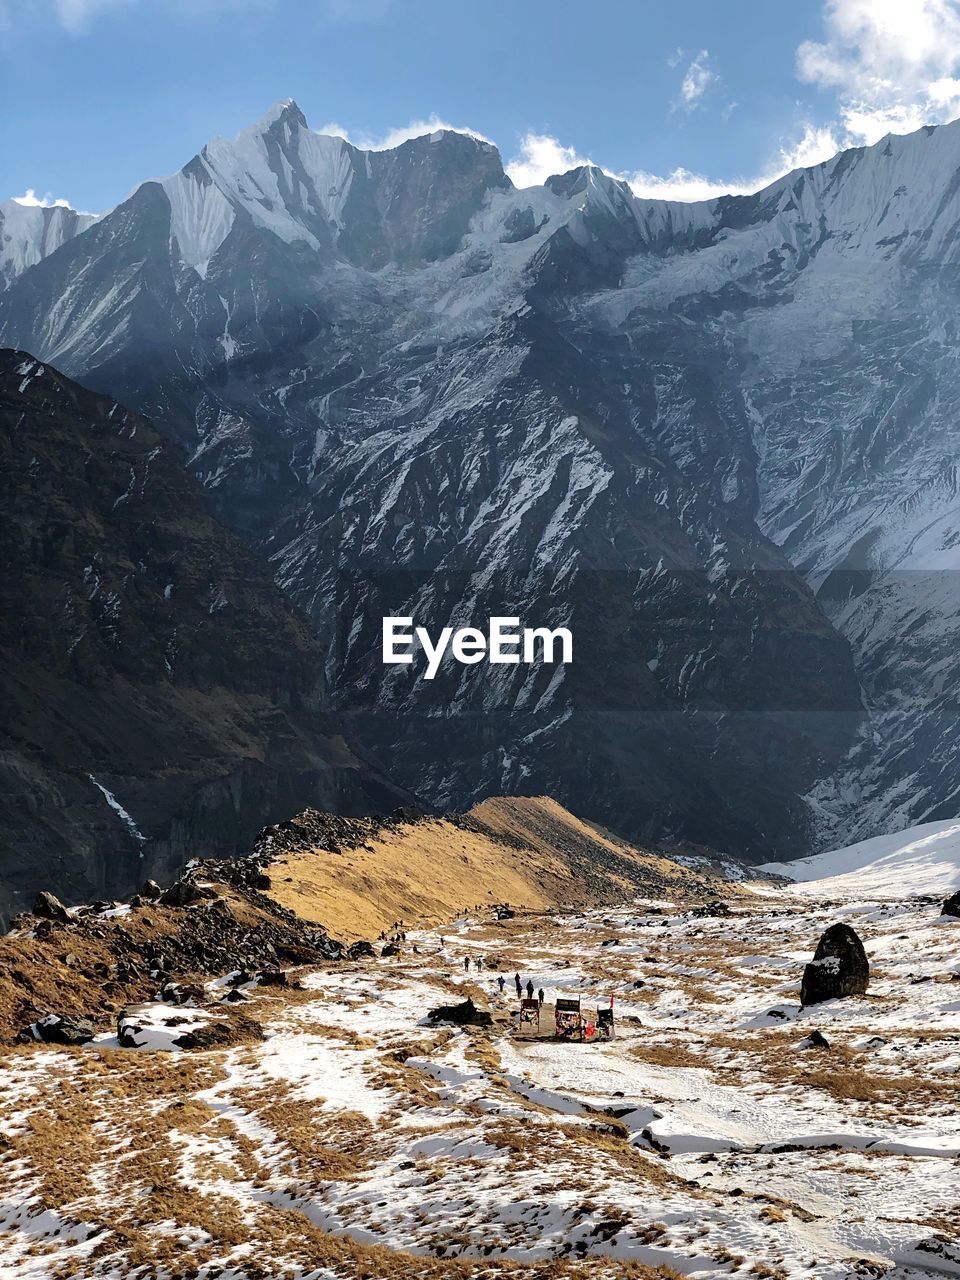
x,y
426,872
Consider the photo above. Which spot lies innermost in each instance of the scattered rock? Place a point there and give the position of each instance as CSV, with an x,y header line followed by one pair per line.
x,y
235,997
272,978
183,893
839,967
181,992
711,909
815,1040
213,1035
389,950
360,950
464,1015
332,832
952,906
58,1029
151,890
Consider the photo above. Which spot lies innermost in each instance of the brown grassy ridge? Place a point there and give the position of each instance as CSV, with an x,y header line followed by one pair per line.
x,y
528,852
72,967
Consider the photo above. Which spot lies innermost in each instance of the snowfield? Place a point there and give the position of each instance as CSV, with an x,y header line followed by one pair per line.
x,y
924,859
358,1138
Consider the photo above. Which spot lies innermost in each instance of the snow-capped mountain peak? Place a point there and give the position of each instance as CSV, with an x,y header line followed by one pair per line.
x,y
281,177
28,232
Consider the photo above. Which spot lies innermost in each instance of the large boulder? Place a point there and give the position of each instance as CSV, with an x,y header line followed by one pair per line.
x,y
464,1015
49,907
952,906
839,967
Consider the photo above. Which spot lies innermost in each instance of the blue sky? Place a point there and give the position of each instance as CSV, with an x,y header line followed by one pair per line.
x,y
682,97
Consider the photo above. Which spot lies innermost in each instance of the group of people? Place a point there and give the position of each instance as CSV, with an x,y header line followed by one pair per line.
x,y
397,935
477,962
519,986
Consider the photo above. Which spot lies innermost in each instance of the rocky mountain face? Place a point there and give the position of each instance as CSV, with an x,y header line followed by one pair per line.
x,y
160,694
715,439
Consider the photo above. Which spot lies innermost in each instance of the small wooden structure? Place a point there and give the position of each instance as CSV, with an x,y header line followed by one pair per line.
x,y
568,1018
530,1013
605,1027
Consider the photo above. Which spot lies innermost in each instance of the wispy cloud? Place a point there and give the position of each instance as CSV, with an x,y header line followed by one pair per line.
x,y
697,79
812,147
31,199
79,16
75,15
541,155
894,65
394,137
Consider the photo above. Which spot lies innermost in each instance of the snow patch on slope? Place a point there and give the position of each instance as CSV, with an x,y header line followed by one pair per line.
x,y
200,218
924,859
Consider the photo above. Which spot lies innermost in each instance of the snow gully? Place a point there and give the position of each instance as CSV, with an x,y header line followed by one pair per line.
x,y
503,643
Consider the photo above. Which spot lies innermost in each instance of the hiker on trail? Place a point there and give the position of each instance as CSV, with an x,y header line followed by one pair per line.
x,y
539,995
466,964
516,978
529,988
441,942
478,964
501,983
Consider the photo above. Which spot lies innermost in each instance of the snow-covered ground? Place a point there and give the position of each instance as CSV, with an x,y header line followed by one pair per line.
x,y
920,860
359,1138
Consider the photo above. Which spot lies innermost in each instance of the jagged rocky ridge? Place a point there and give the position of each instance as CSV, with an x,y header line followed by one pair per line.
x,y
716,436
160,695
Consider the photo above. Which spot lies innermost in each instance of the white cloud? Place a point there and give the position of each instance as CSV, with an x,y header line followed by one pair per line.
x,y
540,156
697,79
892,63
682,184
394,137
76,16
31,198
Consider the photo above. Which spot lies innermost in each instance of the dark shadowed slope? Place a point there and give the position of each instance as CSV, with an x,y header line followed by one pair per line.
x,y
160,696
